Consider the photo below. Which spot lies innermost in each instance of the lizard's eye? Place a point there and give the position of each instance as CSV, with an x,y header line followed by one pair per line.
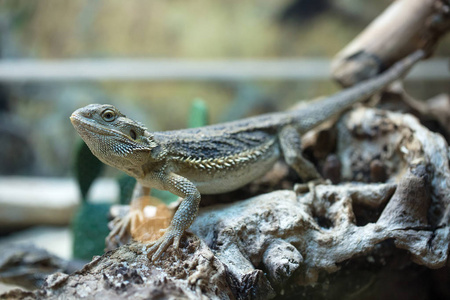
x,y
108,115
133,134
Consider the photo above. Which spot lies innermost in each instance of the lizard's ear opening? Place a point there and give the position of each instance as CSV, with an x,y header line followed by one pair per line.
x,y
133,134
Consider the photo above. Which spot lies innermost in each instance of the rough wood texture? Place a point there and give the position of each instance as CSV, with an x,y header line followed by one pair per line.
x,y
434,113
27,266
287,243
406,25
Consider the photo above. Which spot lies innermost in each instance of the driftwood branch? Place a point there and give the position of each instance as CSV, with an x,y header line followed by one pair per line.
x,y
405,26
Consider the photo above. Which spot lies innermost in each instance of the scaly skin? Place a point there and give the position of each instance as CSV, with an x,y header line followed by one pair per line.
x,y
213,159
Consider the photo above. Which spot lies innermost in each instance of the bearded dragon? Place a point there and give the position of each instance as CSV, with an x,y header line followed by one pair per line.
x,y
216,158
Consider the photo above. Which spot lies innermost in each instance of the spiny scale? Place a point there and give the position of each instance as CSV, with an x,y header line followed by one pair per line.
x,y
224,162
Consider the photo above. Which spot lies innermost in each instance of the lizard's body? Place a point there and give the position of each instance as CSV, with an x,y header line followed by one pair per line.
x,y
217,158
229,162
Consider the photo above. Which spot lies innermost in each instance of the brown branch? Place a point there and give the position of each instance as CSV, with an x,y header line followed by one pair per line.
x,y
405,26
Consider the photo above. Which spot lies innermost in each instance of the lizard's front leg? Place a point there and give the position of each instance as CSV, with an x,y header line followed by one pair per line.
x,y
183,218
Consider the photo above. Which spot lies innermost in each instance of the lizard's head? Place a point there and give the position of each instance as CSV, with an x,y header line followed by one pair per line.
x,y
115,139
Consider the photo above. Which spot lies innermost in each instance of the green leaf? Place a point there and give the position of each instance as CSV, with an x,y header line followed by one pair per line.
x,y
198,115
90,228
126,185
87,168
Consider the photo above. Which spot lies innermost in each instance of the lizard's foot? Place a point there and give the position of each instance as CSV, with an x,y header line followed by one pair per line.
x,y
120,229
171,235
301,188
122,226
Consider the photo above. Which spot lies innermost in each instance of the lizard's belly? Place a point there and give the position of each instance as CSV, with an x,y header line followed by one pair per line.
x,y
228,174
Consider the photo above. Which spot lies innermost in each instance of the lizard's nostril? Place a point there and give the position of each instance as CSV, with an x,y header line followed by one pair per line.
x,y
81,112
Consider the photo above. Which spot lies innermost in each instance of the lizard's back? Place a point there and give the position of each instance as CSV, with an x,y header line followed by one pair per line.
x,y
223,139
223,157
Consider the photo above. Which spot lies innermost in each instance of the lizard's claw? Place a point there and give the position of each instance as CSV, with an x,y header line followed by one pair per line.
x,y
120,228
171,235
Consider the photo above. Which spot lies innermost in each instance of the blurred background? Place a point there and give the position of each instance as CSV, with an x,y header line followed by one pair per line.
x,y
151,59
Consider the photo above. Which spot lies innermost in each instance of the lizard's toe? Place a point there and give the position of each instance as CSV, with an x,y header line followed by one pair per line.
x,y
176,241
159,246
120,229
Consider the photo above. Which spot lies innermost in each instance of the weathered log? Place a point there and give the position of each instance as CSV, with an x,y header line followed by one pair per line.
x,y
406,25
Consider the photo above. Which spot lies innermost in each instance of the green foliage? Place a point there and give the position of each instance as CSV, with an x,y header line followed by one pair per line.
x,y
198,115
90,228
90,224
126,185
87,168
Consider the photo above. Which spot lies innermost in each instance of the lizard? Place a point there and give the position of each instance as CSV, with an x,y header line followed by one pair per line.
x,y
215,158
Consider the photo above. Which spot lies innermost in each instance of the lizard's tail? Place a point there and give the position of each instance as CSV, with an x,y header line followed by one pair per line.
x,y
320,111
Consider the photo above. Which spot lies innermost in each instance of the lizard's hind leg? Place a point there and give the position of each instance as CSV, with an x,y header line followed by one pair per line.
x,y
290,142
